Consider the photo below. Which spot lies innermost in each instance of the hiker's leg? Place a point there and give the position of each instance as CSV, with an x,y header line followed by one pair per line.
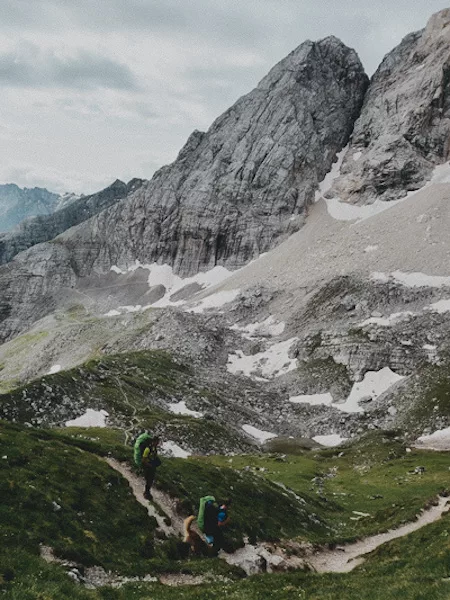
x,y
149,474
218,542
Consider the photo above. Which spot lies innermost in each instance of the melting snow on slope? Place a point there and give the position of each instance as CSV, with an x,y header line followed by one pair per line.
x,y
180,408
273,362
332,175
439,440
342,211
374,384
171,449
412,279
214,301
54,369
314,399
258,434
389,320
440,307
331,440
268,328
91,418
164,275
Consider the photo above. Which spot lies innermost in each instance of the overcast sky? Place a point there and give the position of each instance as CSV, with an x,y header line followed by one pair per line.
x,y
94,90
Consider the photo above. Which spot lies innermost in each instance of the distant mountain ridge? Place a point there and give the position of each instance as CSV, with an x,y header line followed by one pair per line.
x,y
17,204
68,211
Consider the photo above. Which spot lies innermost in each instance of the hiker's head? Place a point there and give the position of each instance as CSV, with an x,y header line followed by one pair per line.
x,y
226,502
156,440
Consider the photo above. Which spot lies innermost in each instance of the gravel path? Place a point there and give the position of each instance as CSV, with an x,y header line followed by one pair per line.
x,y
345,558
164,501
342,559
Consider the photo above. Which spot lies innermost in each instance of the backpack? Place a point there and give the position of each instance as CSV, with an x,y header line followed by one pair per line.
x,y
201,511
139,446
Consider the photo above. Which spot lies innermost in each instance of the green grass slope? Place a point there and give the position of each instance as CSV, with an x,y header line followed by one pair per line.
x,y
132,387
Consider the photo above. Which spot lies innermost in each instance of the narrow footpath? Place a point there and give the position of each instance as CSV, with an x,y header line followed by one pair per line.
x,y
341,559
344,559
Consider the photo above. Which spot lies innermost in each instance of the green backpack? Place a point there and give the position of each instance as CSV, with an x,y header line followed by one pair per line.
x,y
139,447
201,511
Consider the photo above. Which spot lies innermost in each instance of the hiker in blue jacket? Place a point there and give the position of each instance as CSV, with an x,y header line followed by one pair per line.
x,y
216,520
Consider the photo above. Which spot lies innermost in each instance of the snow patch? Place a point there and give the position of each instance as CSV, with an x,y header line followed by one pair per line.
x,y
172,449
331,440
440,307
420,279
273,362
258,434
91,418
269,327
116,269
342,211
429,347
412,279
164,275
332,175
54,369
373,385
389,320
314,399
180,408
439,440
214,301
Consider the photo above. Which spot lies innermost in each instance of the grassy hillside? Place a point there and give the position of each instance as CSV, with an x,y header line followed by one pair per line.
x,y
56,490
133,388
372,477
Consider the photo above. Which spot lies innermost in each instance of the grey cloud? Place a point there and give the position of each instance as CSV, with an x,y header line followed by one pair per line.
x,y
29,66
272,27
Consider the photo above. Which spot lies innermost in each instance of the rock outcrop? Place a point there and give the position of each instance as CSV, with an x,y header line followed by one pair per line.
x,y
404,128
72,212
232,193
237,190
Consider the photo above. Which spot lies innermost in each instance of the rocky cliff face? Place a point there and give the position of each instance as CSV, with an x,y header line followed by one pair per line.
x,y
238,189
72,212
404,128
232,193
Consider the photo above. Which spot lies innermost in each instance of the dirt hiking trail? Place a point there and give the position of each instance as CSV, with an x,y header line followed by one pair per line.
x,y
164,501
344,559
341,559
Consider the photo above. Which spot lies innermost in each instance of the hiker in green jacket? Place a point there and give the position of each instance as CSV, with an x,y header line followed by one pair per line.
x,y
146,456
150,462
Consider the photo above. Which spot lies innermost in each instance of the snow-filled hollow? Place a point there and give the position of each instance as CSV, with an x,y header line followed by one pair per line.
x,y
172,449
439,440
259,434
180,408
331,440
91,418
372,386
270,363
343,211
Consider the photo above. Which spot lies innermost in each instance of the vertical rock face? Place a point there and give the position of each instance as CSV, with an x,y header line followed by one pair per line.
x,y
236,190
232,193
404,128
